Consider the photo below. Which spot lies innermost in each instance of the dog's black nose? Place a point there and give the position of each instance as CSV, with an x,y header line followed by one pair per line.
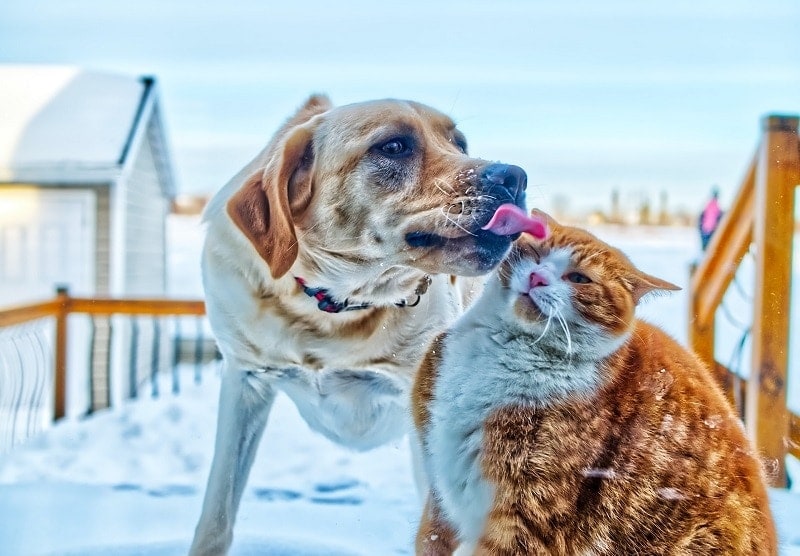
x,y
510,177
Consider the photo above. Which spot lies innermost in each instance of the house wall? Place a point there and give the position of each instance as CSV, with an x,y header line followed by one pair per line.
x,y
103,242
145,226
137,341
47,237
119,368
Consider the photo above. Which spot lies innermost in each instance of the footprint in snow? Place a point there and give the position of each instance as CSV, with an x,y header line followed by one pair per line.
x,y
276,494
331,492
127,487
172,490
337,488
337,500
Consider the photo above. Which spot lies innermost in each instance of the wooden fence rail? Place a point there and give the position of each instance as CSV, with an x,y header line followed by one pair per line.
x,y
64,305
762,216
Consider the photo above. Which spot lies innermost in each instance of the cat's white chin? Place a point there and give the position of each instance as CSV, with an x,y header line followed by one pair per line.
x,y
528,303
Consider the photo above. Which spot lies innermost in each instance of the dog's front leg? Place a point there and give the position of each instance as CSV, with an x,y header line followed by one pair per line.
x,y
244,404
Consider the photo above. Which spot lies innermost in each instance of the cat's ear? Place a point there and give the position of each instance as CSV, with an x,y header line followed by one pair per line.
x,y
645,283
542,215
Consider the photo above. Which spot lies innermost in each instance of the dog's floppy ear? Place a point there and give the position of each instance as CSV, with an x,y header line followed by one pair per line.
x,y
265,206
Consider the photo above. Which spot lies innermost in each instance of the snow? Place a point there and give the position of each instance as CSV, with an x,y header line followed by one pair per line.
x,y
130,480
66,119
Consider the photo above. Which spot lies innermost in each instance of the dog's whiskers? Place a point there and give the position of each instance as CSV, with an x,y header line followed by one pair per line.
x,y
439,185
462,205
455,223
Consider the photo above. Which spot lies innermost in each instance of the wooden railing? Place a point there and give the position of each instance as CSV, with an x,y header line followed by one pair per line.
x,y
761,216
64,305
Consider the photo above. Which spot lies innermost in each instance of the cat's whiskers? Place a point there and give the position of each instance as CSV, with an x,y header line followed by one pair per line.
x,y
553,309
546,328
565,327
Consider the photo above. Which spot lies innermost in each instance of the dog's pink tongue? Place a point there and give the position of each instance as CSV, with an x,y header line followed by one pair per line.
x,y
510,219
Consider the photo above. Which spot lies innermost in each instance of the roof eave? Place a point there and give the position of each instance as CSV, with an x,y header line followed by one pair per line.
x,y
61,174
147,125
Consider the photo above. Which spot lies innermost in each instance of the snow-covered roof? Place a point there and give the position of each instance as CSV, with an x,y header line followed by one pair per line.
x,y
66,125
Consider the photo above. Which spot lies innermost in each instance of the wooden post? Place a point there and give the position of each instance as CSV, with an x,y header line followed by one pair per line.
x,y
60,364
701,327
778,174
711,276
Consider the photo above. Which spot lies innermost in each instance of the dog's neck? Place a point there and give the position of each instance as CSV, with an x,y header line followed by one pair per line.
x,y
327,303
337,282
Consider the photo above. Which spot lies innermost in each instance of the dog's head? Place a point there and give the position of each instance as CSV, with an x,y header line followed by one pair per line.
x,y
377,184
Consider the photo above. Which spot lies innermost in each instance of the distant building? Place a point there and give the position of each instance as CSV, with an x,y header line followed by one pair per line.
x,y
86,183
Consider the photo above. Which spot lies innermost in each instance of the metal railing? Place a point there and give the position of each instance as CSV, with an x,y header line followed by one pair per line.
x,y
761,218
25,369
36,340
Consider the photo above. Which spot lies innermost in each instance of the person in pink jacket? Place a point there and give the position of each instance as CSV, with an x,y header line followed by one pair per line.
x,y
709,218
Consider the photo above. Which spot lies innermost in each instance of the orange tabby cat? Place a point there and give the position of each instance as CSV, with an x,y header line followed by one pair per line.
x,y
554,422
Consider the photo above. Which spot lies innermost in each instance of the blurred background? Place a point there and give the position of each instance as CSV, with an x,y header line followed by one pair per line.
x,y
118,120
650,102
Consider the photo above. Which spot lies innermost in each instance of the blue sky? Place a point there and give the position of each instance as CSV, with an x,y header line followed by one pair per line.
x,y
587,96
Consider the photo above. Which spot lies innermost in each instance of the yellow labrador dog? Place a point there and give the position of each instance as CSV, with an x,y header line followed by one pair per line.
x,y
330,262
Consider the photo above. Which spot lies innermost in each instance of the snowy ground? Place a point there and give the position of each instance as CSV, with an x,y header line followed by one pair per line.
x,y
130,480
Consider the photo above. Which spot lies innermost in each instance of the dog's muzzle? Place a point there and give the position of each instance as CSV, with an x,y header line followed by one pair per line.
x,y
498,184
505,181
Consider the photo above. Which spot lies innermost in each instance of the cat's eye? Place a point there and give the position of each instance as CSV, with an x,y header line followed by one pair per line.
x,y
578,278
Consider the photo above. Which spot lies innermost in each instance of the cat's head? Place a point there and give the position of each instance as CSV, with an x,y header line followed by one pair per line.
x,y
574,291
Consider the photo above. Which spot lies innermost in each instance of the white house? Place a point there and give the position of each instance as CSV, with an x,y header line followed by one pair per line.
x,y
85,183
85,187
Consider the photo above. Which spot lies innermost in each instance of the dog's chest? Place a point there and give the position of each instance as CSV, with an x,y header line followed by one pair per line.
x,y
349,375
357,408
394,346
355,391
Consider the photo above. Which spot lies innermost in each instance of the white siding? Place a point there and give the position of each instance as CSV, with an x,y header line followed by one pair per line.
x,y
46,239
143,275
145,227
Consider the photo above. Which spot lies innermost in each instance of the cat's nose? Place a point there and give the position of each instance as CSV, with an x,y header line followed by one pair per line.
x,y
537,280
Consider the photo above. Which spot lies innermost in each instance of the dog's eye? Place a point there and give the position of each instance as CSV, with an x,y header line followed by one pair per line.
x,y
398,147
457,138
578,278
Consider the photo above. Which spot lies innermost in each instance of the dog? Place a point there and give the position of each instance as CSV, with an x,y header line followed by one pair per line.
x,y
330,262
